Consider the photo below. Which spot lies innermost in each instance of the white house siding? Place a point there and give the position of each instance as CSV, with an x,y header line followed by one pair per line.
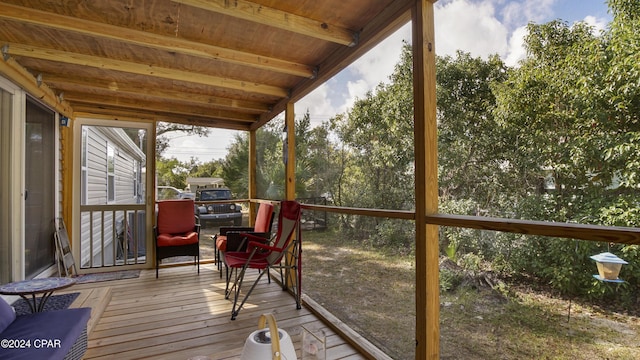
x,y
125,193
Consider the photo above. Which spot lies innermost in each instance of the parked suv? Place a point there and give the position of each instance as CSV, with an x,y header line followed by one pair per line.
x,y
219,213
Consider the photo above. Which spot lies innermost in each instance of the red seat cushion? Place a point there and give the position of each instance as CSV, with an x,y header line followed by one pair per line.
x,y
177,239
221,242
239,259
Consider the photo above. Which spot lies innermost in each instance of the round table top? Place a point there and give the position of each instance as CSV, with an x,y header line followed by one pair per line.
x,y
35,286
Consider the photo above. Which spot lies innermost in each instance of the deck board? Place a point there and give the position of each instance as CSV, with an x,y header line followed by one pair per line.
x,y
182,315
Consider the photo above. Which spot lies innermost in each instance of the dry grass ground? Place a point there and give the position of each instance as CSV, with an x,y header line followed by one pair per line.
x,y
373,293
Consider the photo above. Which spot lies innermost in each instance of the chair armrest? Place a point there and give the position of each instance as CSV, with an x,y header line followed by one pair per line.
x,y
225,230
263,246
255,236
236,241
252,234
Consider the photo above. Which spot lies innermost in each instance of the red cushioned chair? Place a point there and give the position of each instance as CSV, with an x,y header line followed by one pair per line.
x,y
177,231
233,238
265,256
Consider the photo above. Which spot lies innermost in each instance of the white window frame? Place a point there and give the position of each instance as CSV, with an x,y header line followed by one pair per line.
x,y
111,174
84,169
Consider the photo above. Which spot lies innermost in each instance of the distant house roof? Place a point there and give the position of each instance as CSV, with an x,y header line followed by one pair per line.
x,y
204,181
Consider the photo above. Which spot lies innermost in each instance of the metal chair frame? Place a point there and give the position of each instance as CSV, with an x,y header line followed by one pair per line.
x,y
258,257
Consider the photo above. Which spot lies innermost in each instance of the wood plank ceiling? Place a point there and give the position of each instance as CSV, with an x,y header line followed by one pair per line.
x,y
221,63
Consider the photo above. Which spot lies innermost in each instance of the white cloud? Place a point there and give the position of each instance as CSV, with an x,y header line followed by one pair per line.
x,y
183,147
516,51
597,24
469,26
474,26
353,83
318,104
357,90
378,64
517,13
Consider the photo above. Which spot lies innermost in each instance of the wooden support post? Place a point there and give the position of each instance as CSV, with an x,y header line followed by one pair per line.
x,y
290,173
426,153
290,166
66,165
253,189
151,219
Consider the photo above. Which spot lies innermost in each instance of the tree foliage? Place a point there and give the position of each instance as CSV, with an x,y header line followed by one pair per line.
x,y
172,172
269,161
571,110
555,138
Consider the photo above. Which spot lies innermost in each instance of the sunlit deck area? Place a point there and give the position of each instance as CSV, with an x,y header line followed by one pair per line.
x,y
183,315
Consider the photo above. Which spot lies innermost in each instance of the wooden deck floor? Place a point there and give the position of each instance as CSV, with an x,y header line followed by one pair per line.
x,y
184,315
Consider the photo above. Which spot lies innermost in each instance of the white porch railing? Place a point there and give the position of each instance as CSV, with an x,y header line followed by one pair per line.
x,y
113,235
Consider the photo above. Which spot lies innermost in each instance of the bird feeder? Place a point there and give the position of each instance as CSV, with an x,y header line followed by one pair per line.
x,y
609,267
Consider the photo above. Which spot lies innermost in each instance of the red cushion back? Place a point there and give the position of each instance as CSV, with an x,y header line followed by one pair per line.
x,y
176,216
263,219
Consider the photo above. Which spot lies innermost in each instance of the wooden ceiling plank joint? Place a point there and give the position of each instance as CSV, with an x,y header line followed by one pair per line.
x,y
143,69
135,115
168,108
162,94
151,40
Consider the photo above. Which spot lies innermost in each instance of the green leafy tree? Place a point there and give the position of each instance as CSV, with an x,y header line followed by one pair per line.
x,y
171,172
375,160
470,145
211,168
235,166
269,162
270,169
378,132
322,155
571,111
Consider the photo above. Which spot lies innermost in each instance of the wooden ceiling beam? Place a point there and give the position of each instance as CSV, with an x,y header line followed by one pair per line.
x,y
157,107
64,83
151,40
249,11
110,113
143,69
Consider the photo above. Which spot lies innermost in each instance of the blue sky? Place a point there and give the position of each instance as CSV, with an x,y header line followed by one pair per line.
x,y
480,27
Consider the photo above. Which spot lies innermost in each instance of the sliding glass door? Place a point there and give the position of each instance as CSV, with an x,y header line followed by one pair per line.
x,y
39,195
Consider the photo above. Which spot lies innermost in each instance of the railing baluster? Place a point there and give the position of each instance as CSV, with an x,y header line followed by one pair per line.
x,y
102,240
98,243
134,236
91,239
125,245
